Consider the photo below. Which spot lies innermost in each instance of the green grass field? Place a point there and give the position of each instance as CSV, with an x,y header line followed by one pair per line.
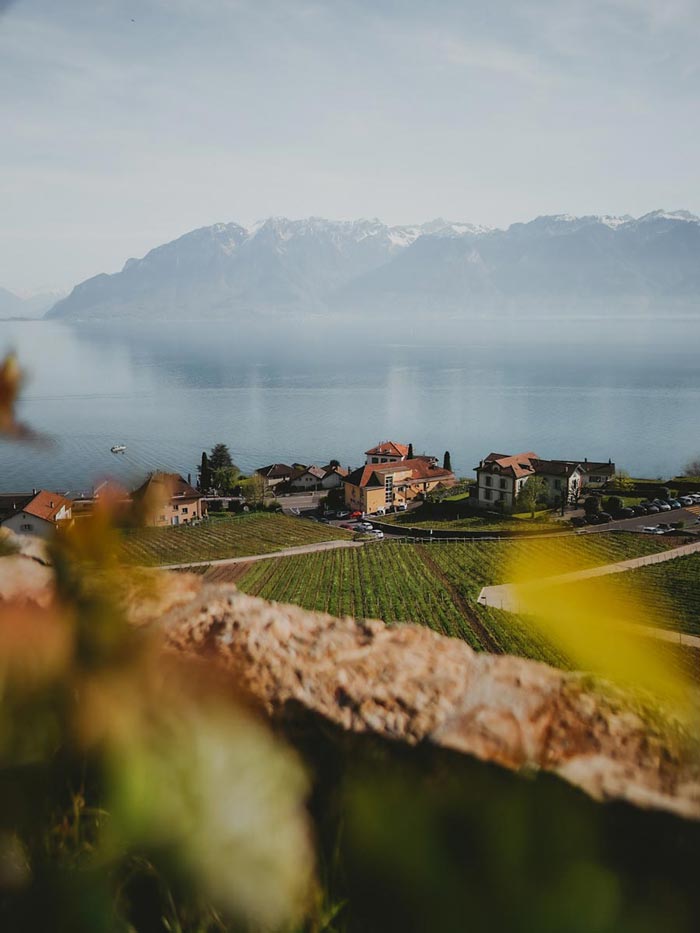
x,y
215,539
431,584
429,516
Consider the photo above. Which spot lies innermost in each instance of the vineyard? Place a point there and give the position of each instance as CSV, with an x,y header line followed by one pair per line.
x,y
239,536
432,584
670,591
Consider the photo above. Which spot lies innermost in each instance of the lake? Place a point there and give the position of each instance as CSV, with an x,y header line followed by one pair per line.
x,y
276,391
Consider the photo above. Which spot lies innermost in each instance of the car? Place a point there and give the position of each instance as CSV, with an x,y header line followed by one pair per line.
x,y
638,510
578,521
329,513
653,510
348,526
652,530
624,513
664,507
664,526
401,507
343,514
356,514
380,511
686,500
675,504
604,517
376,533
363,526
695,497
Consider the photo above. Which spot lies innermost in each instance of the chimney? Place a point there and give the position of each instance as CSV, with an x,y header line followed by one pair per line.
x,y
50,503
33,492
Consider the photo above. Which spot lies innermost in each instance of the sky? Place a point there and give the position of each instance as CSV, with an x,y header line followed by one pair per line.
x,y
124,124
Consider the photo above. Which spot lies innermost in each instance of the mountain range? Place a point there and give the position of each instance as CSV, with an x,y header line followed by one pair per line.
x,y
552,264
12,306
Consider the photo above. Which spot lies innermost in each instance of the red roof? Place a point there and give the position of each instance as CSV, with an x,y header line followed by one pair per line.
x,y
388,449
46,505
420,469
171,484
519,465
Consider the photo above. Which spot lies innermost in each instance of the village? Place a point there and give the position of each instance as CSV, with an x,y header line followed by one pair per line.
x,y
394,491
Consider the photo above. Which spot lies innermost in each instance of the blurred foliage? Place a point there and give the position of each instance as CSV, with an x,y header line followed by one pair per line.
x,y
136,792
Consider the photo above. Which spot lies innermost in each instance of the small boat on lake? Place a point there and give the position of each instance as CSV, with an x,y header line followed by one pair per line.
x,y
118,448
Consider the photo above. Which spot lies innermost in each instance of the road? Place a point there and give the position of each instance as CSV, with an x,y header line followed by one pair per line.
x,y
287,552
689,516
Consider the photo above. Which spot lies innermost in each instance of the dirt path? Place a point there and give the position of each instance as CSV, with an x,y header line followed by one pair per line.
x,y
462,604
506,595
287,552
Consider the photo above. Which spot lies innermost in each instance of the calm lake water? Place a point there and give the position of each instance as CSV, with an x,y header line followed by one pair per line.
x,y
311,392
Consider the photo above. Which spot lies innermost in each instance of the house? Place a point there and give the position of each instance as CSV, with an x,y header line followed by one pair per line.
x,y
38,512
383,485
110,494
275,474
500,477
333,476
308,478
168,499
386,452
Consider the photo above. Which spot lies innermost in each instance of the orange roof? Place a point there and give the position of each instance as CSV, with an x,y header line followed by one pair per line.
x,y
46,505
388,449
520,464
172,485
419,468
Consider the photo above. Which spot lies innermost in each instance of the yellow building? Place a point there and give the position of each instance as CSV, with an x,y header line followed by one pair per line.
x,y
377,486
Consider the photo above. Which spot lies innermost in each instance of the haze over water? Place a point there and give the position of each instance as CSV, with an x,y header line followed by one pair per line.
x,y
311,391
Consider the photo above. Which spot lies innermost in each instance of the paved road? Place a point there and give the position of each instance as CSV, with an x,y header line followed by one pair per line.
x,y
287,552
689,516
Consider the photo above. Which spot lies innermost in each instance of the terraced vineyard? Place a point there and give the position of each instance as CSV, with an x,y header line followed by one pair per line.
x,y
432,584
671,591
239,536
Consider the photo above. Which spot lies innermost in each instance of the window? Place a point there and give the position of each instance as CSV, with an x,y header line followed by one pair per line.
x,y
557,484
487,494
389,489
487,482
501,496
184,510
503,484
26,527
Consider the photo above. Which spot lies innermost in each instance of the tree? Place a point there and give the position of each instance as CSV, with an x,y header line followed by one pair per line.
x,y
225,479
591,505
614,504
409,455
220,456
664,493
623,481
204,481
532,490
334,463
692,468
446,462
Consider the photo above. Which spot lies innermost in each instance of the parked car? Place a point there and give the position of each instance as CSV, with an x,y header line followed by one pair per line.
x,y
664,507
380,511
638,510
652,530
604,517
578,521
343,514
376,533
348,526
686,500
624,513
329,513
356,514
401,507
363,526
653,510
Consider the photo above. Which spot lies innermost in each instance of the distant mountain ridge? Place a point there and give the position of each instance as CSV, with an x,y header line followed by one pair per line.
x,y
553,263
12,306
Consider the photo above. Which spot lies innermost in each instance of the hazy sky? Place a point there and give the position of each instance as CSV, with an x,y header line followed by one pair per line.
x,y
125,123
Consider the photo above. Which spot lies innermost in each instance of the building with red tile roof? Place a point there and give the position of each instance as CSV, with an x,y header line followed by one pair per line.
x,y
168,499
384,485
38,512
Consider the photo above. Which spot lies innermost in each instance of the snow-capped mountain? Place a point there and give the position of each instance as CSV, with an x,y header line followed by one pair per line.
x,y
552,262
